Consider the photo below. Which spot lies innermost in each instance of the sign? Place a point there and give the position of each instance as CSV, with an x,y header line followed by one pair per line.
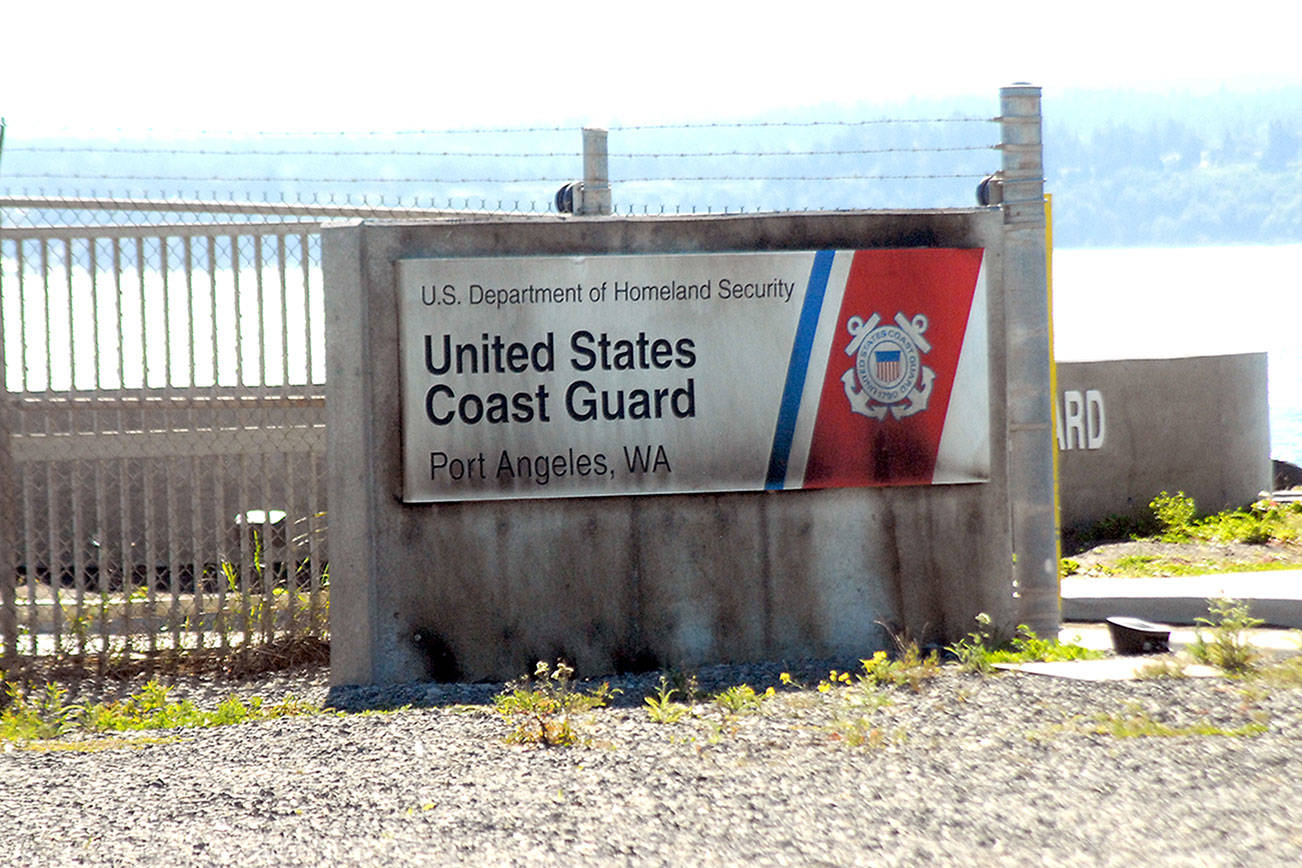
x,y
1081,420
564,376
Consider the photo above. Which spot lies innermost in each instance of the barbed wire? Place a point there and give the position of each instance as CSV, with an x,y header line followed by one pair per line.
x,y
179,200
725,167
850,177
455,131
35,207
41,197
237,179
757,124
235,152
123,132
838,152
530,180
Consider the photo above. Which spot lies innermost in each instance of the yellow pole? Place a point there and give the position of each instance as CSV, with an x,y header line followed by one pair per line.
x,y
1053,381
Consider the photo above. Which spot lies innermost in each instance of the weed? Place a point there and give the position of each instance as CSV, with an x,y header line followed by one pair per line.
x,y
232,575
1228,647
1068,567
834,679
95,745
910,669
1236,526
79,625
981,649
1027,647
1137,564
1153,565
47,715
43,716
1285,673
1251,695
741,699
661,708
717,729
684,684
859,731
543,705
1134,722
973,650
275,655
861,694
1163,668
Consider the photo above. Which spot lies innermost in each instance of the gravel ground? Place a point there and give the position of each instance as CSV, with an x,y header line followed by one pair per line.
x,y
967,771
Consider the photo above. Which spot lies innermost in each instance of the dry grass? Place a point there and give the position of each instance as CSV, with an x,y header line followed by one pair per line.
x,y
236,664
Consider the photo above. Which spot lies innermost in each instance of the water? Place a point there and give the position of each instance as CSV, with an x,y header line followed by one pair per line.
x,y
1109,304
1166,302
68,326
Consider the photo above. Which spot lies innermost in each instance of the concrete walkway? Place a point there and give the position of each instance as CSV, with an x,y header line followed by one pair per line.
x,y
1095,635
1273,595
1274,642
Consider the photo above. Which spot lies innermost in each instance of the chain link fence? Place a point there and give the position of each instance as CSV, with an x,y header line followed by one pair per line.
x,y
162,355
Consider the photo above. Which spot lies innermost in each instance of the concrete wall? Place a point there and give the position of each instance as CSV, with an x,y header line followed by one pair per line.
x,y
1130,429
482,589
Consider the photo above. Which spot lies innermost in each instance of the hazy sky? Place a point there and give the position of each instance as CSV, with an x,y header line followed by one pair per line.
x,y
94,67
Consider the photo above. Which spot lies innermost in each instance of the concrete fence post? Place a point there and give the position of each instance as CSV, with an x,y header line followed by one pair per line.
x,y
1030,408
595,199
8,557
8,523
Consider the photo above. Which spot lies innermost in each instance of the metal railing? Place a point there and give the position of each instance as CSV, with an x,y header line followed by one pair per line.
x,y
162,445
163,396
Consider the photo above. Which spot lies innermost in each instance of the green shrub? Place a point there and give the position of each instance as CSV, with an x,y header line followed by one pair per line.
x,y
1262,522
1116,527
1174,514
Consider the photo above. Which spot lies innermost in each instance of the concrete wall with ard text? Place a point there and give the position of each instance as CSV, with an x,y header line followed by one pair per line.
x,y
1129,429
481,590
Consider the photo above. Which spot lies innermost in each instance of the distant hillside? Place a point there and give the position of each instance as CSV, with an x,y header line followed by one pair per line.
x,y
1128,170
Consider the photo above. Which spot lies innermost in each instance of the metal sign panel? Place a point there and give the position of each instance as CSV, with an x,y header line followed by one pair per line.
x,y
558,376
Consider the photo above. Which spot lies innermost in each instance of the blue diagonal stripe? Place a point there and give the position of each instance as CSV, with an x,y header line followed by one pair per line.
x,y
797,369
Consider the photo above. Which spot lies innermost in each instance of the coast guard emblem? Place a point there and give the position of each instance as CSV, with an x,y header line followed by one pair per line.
x,y
888,374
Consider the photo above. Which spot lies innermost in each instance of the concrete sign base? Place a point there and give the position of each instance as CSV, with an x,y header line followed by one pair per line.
x,y
481,589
